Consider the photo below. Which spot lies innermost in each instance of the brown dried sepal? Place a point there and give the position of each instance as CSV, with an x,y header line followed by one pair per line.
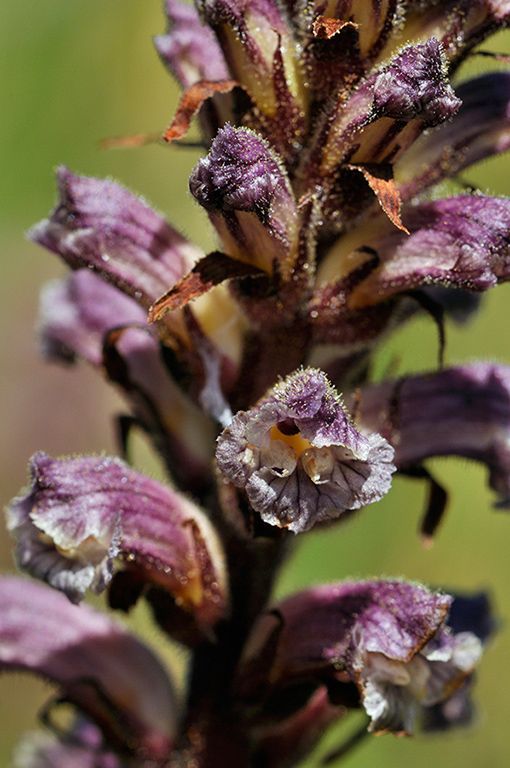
x,y
212,270
325,28
129,142
380,178
190,103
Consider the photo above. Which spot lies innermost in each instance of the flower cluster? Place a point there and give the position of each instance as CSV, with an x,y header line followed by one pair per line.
x,y
326,124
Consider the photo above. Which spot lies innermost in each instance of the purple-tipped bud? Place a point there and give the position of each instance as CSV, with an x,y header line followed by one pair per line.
x,y
245,189
300,458
382,117
414,85
80,514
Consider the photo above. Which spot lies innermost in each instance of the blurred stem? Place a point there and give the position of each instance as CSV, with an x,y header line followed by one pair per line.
x,y
213,734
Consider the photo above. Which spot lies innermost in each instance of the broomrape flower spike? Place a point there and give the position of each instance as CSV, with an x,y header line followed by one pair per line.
x,y
327,126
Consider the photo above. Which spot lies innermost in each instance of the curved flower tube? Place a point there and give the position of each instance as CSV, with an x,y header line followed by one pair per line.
x,y
108,674
388,638
80,514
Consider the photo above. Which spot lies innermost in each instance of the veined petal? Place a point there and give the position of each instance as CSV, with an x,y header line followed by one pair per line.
x,y
462,411
81,513
76,313
300,458
189,48
100,225
243,186
100,667
458,242
386,637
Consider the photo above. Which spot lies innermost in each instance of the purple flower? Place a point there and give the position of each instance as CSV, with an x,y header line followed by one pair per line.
x,y
243,186
300,458
80,514
99,225
387,638
113,678
462,411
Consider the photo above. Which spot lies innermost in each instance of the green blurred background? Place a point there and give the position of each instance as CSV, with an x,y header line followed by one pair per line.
x,y
75,72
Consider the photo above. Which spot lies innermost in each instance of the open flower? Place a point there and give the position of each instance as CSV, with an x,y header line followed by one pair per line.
x,y
389,639
80,514
300,458
100,668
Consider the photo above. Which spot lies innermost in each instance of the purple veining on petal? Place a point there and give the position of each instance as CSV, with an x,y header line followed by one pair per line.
x,y
76,313
77,317
300,458
462,411
189,48
42,632
458,242
81,513
100,225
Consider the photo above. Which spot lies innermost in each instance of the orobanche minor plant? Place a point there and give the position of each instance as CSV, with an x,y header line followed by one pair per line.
x,y
326,125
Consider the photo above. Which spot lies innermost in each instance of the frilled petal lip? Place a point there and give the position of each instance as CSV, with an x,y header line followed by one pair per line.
x,y
80,514
389,638
300,458
90,657
333,633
